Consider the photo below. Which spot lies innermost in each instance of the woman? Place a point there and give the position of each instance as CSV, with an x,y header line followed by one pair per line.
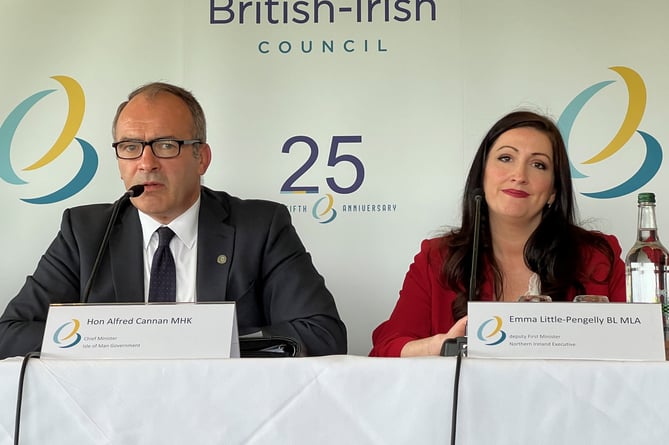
x,y
527,231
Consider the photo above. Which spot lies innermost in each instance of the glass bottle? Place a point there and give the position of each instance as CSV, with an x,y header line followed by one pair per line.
x,y
647,262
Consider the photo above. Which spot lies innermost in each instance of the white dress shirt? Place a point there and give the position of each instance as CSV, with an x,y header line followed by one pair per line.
x,y
183,247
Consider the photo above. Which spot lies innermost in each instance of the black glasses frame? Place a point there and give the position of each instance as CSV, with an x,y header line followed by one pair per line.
x,y
180,143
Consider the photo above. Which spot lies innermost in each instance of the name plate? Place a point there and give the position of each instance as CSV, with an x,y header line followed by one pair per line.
x,y
141,331
599,331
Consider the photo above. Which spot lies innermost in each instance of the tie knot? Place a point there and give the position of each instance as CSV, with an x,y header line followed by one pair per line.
x,y
165,235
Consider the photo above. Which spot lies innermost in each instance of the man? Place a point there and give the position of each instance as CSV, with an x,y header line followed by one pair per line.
x,y
224,248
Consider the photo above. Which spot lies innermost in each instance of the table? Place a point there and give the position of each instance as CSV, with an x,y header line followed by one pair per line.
x,y
336,400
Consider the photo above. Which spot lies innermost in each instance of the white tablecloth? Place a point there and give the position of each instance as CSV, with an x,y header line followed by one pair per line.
x,y
336,400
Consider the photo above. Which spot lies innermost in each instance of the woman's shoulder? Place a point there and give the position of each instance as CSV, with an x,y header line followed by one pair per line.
x,y
435,246
597,239
431,254
432,243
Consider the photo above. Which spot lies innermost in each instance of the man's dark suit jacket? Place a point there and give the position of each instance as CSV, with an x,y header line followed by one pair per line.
x,y
247,252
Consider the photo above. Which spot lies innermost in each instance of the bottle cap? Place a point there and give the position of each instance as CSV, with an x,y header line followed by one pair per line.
x,y
646,197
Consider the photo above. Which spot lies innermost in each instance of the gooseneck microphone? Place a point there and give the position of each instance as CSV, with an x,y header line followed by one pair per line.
x,y
478,197
132,192
456,346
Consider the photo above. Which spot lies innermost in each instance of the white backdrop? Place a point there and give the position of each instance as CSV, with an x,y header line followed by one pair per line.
x,y
416,82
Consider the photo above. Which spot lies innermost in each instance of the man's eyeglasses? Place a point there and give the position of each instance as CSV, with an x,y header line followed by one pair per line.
x,y
161,148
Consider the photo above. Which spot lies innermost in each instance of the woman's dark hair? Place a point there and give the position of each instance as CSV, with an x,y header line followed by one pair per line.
x,y
552,251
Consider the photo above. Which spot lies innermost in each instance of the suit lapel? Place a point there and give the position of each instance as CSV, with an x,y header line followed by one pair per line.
x,y
127,260
215,245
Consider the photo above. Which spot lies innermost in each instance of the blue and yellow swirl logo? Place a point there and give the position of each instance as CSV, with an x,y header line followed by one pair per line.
x,y
636,107
67,335
323,210
490,332
75,115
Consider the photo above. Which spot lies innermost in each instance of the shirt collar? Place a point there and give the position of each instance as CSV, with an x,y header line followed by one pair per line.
x,y
184,226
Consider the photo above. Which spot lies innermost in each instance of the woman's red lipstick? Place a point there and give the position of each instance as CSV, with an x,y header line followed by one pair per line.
x,y
516,193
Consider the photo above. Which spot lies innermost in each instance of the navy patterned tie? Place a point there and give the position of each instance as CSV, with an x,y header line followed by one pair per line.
x,y
163,281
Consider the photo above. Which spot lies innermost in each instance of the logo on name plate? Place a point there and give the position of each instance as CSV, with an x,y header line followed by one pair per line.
x,y
67,335
490,332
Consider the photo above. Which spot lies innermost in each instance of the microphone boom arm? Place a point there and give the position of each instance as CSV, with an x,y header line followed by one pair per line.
x,y
475,247
134,191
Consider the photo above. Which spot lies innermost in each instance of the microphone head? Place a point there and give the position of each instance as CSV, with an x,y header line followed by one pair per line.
x,y
135,190
477,193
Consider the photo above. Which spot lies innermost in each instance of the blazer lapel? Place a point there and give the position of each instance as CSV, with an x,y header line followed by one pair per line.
x,y
215,245
127,260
